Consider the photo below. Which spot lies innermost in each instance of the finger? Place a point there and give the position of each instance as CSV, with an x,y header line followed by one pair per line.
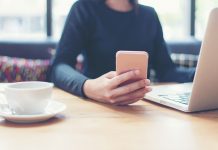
x,y
131,87
138,94
148,89
147,82
110,74
126,89
124,77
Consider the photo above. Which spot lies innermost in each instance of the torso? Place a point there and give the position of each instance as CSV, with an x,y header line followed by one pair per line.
x,y
112,31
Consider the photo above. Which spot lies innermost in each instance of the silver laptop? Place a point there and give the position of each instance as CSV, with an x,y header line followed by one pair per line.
x,y
202,94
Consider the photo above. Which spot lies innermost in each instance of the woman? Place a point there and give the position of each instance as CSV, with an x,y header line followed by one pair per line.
x,y
98,29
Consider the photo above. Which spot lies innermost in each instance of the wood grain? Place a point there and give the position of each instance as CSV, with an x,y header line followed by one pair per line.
x,y
86,125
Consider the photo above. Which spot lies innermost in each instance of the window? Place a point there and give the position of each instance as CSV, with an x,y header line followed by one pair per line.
x,y
170,12
26,19
172,16
61,9
203,9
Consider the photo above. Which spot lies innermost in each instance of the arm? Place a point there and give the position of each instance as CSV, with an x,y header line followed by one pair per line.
x,y
165,69
71,44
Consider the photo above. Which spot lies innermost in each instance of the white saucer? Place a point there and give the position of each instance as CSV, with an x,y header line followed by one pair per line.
x,y
52,109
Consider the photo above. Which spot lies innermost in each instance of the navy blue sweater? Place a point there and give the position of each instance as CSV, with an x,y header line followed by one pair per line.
x,y
97,31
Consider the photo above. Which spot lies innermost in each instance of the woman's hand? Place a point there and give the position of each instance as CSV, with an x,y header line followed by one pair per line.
x,y
107,88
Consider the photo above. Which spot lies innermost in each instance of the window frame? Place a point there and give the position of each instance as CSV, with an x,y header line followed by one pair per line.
x,y
49,16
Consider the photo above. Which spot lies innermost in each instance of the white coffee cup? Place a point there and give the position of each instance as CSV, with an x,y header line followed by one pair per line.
x,y
28,98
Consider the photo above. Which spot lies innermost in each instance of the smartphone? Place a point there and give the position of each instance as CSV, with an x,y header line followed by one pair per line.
x,y
132,60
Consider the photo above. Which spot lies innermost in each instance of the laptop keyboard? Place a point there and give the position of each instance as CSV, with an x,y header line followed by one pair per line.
x,y
180,97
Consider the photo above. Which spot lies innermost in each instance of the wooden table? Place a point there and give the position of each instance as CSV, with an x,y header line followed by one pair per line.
x,y
86,125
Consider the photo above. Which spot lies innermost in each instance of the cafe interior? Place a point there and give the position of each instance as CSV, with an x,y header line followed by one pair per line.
x,y
30,31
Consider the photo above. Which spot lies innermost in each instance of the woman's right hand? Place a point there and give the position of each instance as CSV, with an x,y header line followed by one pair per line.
x,y
108,89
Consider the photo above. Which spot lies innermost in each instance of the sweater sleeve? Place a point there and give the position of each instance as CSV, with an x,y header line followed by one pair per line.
x,y
165,69
72,42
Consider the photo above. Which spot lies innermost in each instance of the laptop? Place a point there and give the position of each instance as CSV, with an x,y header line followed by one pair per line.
x,y
202,94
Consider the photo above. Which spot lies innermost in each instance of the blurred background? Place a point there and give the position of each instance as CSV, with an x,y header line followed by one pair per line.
x,y
31,29
181,19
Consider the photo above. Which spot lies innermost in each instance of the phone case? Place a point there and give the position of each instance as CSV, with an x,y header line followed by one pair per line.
x,y
131,60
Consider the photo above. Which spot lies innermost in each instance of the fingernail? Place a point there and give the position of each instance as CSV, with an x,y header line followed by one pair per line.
x,y
147,81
